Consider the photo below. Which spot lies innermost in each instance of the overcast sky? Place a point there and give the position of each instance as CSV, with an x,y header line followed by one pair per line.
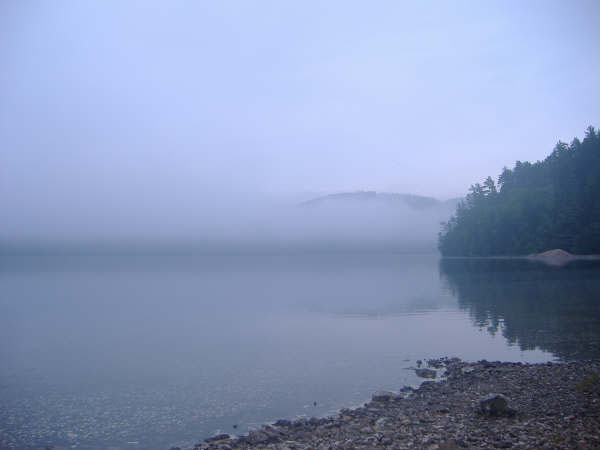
x,y
118,105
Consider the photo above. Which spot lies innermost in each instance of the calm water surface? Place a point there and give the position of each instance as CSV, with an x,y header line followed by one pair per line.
x,y
150,351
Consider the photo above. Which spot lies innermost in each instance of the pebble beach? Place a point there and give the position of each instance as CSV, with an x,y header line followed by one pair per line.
x,y
468,405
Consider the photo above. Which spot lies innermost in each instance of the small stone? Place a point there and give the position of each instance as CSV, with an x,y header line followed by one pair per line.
x,y
447,446
382,396
257,437
435,363
380,423
426,373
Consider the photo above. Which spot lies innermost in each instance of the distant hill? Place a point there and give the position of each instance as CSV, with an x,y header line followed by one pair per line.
x,y
376,220
415,202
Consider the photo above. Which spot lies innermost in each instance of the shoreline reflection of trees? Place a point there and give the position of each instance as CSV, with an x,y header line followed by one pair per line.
x,y
532,305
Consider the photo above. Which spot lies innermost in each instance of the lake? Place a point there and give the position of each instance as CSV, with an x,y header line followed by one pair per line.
x,y
149,351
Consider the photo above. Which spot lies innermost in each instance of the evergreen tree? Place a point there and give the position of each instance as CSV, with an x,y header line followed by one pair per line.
x,y
535,207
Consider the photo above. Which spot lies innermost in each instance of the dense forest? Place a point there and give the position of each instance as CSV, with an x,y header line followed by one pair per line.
x,y
554,203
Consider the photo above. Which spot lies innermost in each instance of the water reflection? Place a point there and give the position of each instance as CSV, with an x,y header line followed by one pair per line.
x,y
100,350
531,304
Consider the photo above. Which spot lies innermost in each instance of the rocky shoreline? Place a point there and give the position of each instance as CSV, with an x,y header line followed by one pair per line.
x,y
474,405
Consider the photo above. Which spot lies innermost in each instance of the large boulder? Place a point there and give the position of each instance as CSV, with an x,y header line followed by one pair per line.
x,y
496,405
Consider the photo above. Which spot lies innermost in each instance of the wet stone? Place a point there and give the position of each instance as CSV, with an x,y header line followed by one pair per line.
x,y
283,423
382,396
219,437
426,373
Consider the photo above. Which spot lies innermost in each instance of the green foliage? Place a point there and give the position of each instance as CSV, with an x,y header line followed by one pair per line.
x,y
554,203
591,383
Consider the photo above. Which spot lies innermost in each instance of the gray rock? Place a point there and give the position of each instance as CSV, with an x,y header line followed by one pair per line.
x,y
495,405
435,363
426,373
299,423
382,396
257,437
380,424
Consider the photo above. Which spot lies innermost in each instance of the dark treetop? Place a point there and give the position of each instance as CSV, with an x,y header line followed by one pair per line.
x,y
554,203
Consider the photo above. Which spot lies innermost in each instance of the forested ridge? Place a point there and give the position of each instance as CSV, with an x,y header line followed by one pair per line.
x,y
534,207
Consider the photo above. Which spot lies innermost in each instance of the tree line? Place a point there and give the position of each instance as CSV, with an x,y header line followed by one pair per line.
x,y
534,207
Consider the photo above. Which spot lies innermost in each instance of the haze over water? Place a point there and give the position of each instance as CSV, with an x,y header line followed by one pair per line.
x,y
156,350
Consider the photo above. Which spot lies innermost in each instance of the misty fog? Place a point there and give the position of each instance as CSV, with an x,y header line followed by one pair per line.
x,y
185,119
380,221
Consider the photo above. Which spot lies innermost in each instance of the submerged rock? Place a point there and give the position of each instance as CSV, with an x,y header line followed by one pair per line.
x,y
382,396
218,437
